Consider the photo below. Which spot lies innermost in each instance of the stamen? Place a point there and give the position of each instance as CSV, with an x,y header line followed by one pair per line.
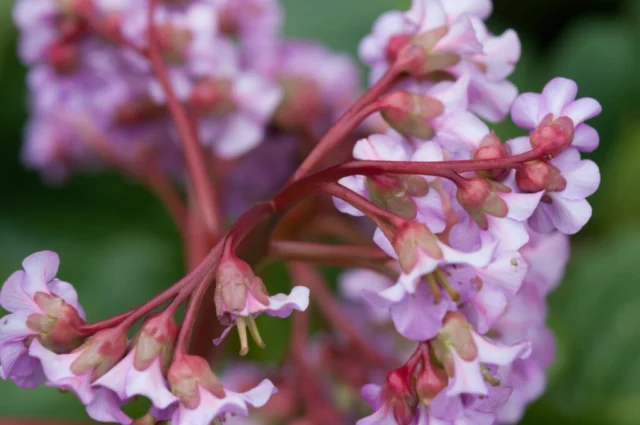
x,y
433,286
444,282
488,377
242,332
253,328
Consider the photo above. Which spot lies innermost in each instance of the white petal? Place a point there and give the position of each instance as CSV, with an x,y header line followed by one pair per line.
x,y
260,394
380,147
468,378
479,258
241,134
281,305
357,184
502,355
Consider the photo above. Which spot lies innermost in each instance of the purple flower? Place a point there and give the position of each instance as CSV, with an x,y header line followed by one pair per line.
x,y
558,99
41,307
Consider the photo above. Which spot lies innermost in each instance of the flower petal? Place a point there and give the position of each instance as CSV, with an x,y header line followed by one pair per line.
x,y
380,147
524,111
418,317
13,327
491,353
67,292
585,138
281,305
357,184
582,180
556,95
240,135
13,298
568,216
260,394
105,407
40,268
582,109
467,378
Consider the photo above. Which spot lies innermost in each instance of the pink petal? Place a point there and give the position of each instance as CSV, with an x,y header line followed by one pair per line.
x,y
260,394
281,305
461,39
556,95
524,111
418,317
478,8
582,180
13,327
222,336
454,95
585,138
150,383
379,417
488,304
384,244
507,272
511,234
582,109
105,407
568,216
13,298
257,95
479,258
371,394
426,15
501,54
467,378
430,212
353,282
40,268
491,100
357,184
17,365
387,297
540,221
428,152
380,147
502,355
460,130
521,205
241,134
519,145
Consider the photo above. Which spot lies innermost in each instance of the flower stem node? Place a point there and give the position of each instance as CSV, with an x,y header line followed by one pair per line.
x,y
409,113
411,237
479,197
535,176
553,135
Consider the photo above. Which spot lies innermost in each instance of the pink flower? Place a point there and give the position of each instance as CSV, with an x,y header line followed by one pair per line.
x,y
558,99
78,370
43,308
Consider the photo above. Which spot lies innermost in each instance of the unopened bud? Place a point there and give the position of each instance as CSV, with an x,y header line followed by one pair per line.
x,y
479,197
63,57
399,394
155,339
409,113
59,327
552,136
100,353
173,42
535,176
491,147
395,44
421,57
301,103
186,374
410,238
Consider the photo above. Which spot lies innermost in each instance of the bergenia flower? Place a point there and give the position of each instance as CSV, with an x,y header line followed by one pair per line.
x,y
43,308
557,100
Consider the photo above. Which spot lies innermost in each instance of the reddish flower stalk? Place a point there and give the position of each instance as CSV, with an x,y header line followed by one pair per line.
x,y
200,176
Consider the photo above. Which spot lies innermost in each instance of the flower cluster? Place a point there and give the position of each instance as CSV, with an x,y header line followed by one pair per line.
x,y
95,97
212,109
477,251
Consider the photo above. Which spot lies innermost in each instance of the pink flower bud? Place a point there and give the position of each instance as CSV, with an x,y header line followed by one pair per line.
x,y
423,57
491,147
535,176
301,104
187,374
409,113
213,96
431,380
553,136
396,43
399,395
59,328
479,197
411,238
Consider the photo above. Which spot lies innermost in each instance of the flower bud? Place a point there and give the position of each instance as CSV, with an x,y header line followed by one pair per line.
x,y
421,56
479,197
535,176
59,328
553,136
173,42
301,104
155,339
409,113
186,374
410,238
100,353
395,44
491,147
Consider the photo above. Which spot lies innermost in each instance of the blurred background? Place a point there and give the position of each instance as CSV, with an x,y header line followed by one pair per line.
x,y
118,246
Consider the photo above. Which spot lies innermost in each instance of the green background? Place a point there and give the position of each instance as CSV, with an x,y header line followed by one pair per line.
x,y
118,246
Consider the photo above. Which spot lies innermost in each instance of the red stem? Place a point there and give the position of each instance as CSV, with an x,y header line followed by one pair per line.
x,y
309,251
351,119
203,185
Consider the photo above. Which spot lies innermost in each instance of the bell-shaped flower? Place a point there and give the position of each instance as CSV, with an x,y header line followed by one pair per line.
x,y
241,296
78,371
142,371
42,307
201,396
557,101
